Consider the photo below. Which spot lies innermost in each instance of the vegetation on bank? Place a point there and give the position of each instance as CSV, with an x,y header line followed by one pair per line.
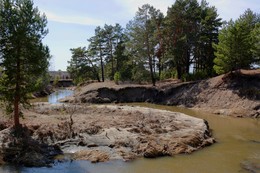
x,y
191,42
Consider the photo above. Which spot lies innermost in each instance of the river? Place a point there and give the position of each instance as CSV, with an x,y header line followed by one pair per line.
x,y
238,142
54,97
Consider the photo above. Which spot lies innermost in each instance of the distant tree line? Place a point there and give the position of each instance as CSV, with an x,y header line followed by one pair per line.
x,y
191,42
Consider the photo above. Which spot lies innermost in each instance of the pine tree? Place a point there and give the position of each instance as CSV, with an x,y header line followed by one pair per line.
x,y
142,37
237,45
23,56
182,25
256,44
97,49
81,66
113,35
207,35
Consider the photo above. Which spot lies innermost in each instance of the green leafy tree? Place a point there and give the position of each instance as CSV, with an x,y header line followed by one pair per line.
x,y
142,37
256,47
56,80
237,47
23,56
113,35
76,64
109,42
160,47
97,49
140,73
117,77
203,52
182,22
42,82
123,63
103,47
190,30
81,66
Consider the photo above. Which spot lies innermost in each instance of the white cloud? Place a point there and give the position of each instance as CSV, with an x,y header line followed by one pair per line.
x,y
226,8
232,9
132,5
81,20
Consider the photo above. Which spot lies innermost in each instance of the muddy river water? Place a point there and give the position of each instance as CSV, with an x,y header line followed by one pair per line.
x,y
238,143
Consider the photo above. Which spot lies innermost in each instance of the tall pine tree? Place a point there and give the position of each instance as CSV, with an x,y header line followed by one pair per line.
x,y
143,37
23,56
237,45
182,26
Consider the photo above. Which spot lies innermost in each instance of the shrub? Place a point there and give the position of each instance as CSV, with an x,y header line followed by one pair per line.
x,y
117,77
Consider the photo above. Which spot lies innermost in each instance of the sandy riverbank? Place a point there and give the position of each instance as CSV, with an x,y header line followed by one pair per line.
x,y
107,132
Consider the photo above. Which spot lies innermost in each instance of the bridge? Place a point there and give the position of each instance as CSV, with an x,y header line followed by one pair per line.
x,y
64,78
63,82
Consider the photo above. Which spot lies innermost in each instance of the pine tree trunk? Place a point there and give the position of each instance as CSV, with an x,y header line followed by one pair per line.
x,y
150,59
151,70
17,93
160,68
112,62
101,63
16,112
102,70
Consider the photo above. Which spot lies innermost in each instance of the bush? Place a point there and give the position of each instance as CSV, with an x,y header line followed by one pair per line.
x,y
167,74
140,74
56,81
117,77
79,80
199,75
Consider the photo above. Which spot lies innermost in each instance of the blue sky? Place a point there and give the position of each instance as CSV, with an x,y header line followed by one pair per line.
x,y
72,22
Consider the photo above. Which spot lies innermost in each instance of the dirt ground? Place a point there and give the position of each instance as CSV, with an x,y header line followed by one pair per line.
x,y
104,132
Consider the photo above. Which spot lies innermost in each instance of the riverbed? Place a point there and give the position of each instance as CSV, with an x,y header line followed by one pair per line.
x,y
238,143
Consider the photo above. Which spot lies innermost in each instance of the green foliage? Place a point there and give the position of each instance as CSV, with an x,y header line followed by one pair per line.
x,y
256,46
104,55
191,28
237,47
113,37
181,26
81,66
157,47
142,33
140,74
103,46
185,77
79,80
198,75
23,56
168,74
117,77
207,35
42,82
123,64
56,81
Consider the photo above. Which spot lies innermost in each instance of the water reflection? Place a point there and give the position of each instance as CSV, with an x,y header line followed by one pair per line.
x,y
56,96
73,167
